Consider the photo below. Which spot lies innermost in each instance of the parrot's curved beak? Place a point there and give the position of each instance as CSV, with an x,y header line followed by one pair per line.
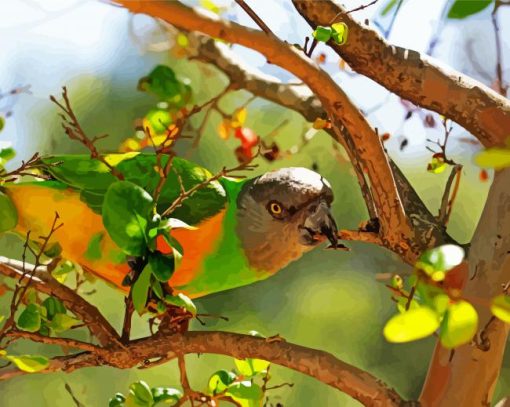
x,y
318,225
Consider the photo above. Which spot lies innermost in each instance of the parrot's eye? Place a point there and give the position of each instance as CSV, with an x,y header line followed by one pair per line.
x,y
275,209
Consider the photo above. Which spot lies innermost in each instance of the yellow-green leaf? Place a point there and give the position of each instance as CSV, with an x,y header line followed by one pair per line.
x,y
497,158
459,324
250,367
220,380
501,307
414,324
29,363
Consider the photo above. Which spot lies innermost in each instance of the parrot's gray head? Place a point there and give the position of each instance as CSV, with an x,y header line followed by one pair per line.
x,y
283,214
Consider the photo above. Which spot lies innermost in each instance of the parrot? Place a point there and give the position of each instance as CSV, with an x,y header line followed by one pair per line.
x,y
240,230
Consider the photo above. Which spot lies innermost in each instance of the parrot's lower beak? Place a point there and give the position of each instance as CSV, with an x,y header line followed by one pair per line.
x,y
319,225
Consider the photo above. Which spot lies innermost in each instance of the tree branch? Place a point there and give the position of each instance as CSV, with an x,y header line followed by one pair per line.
x,y
429,233
45,283
415,77
315,363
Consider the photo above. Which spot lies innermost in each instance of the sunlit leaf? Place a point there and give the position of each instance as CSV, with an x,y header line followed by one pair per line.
x,y
210,5
117,400
220,380
322,34
339,33
62,271
464,8
62,322
126,210
30,319
250,367
247,393
157,121
130,144
500,307
29,363
2,123
7,154
459,324
436,165
411,325
140,289
141,391
497,158
440,259
166,396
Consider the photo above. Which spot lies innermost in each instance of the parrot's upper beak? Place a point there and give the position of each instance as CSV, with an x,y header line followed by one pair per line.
x,y
319,225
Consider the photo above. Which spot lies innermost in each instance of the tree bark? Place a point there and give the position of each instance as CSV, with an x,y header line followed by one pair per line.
x,y
416,77
468,375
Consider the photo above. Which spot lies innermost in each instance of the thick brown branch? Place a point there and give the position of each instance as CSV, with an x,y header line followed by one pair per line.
x,y
415,77
318,364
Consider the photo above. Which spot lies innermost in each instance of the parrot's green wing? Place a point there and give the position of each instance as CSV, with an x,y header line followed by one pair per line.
x,y
92,178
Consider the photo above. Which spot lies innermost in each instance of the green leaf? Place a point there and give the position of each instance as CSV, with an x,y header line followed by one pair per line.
x,y
500,307
441,258
247,393
162,265
157,289
8,213
166,396
141,391
62,271
117,400
163,83
497,158
62,322
7,154
250,367
220,380
53,250
181,300
158,121
459,324
2,123
339,33
322,34
464,8
30,318
411,325
126,211
29,363
402,304
53,306
389,6
140,289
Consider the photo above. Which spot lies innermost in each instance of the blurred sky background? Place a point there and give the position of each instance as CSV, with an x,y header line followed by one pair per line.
x,y
326,300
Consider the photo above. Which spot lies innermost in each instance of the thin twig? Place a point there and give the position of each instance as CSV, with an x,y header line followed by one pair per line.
x,y
446,202
70,343
77,402
185,194
502,89
74,131
254,16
